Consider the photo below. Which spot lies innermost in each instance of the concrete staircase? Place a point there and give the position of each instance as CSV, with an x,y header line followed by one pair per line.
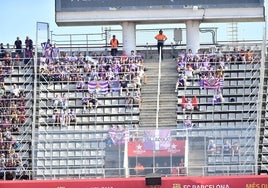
x,y
168,98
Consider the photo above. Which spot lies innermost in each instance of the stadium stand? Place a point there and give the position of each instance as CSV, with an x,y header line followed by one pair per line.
x,y
80,123
16,117
229,120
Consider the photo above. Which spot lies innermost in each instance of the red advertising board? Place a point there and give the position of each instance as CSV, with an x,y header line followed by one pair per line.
x,y
167,182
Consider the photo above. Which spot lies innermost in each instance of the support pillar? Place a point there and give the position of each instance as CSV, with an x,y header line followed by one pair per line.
x,y
192,35
129,37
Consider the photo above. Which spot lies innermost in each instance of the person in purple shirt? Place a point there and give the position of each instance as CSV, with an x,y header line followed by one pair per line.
x,y
55,53
85,103
28,52
47,48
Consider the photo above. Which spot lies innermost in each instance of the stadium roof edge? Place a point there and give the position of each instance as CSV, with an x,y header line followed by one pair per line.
x,y
164,16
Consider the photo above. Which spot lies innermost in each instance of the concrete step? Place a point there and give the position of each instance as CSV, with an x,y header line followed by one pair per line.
x,y
165,90
149,97
161,123
167,99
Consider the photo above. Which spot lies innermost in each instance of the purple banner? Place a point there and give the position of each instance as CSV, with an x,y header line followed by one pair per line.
x,y
101,87
118,136
156,139
212,83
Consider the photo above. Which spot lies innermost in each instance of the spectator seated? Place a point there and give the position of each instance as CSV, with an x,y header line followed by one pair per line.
x,y
181,83
211,149
218,98
189,104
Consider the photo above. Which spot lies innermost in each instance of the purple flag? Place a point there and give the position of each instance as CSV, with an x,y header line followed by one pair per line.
x,y
103,87
92,87
118,136
156,139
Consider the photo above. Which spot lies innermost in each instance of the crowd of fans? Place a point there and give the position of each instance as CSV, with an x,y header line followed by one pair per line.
x,y
12,109
96,75
225,148
207,71
93,75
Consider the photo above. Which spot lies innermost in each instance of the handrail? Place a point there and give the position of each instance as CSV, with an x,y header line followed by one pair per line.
x,y
158,88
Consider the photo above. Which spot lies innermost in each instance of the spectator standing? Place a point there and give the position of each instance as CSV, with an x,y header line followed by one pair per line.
x,y
55,53
28,43
46,46
114,45
18,46
161,38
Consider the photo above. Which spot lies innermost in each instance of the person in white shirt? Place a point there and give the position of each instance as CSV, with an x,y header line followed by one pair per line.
x,y
188,72
15,91
188,106
56,101
188,122
218,98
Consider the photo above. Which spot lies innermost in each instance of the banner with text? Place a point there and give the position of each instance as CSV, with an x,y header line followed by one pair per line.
x,y
167,182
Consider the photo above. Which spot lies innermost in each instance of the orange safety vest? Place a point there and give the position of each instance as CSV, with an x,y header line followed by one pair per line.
x,y
114,43
160,37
